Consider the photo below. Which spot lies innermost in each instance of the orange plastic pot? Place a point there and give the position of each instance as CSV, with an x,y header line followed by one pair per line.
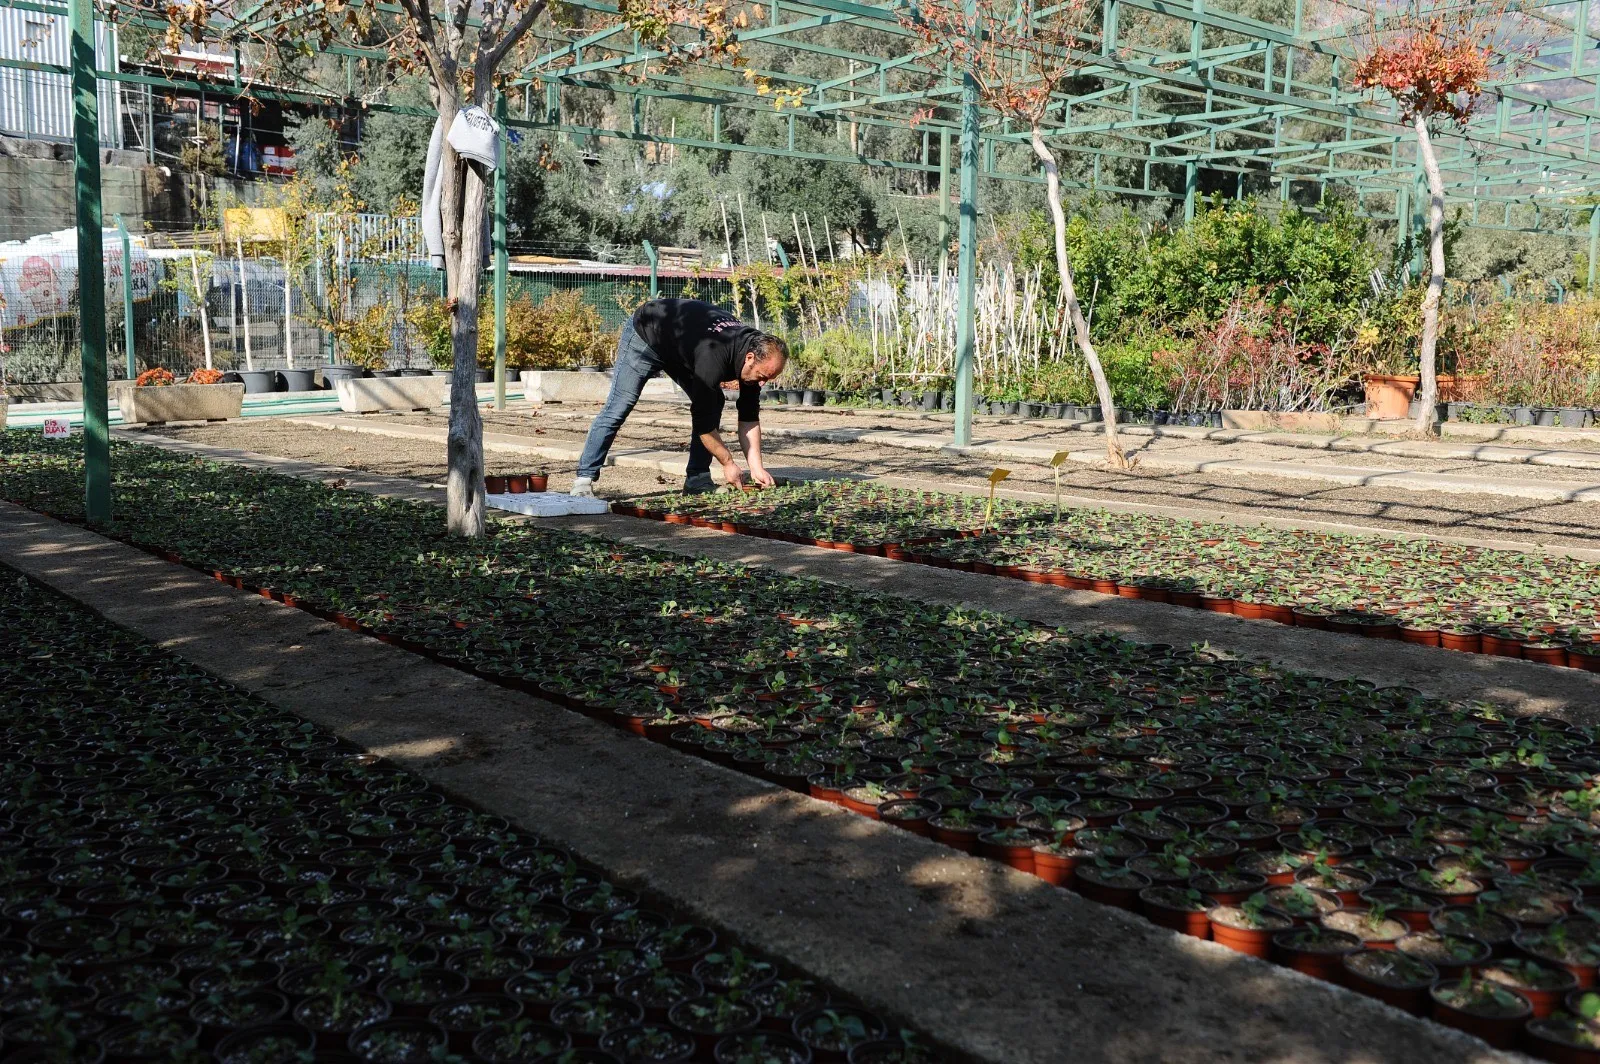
x,y
1470,642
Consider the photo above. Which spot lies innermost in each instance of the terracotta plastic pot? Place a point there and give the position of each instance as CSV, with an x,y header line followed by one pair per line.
x,y
1428,637
1216,604
1544,1039
517,484
1546,655
1185,921
494,485
1409,993
538,482
1057,868
1501,645
1499,1031
1256,941
1321,957
1470,642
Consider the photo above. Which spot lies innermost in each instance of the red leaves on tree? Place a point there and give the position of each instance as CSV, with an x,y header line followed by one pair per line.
x,y
1434,64
1018,58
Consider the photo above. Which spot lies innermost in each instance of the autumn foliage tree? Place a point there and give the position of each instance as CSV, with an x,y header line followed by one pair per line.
x,y
1433,64
1020,56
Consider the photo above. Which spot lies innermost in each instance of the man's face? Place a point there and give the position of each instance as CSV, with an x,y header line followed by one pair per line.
x,y
754,371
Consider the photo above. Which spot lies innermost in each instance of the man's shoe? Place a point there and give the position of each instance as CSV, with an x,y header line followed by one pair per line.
x,y
699,484
582,487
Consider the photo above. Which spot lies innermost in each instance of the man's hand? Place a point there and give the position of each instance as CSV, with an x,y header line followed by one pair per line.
x,y
733,474
760,475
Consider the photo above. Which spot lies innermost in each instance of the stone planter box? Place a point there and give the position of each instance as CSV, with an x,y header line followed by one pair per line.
x,y
180,402
368,395
1269,421
573,386
3,404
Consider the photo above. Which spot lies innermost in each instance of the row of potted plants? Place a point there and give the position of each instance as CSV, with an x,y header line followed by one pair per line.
x,y
1474,599
1096,763
197,876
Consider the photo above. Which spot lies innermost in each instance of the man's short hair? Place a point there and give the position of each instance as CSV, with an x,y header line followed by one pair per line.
x,y
770,347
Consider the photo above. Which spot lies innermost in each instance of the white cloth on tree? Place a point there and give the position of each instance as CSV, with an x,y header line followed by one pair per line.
x,y
476,135
432,221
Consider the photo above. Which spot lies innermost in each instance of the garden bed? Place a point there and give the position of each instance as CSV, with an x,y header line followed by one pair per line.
x,y
208,878
1220,798
1421,591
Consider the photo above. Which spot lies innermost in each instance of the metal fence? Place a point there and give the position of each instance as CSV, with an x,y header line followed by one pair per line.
x,y
244,325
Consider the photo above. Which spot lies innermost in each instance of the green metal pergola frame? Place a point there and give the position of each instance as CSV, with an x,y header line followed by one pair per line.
x,y
1245,98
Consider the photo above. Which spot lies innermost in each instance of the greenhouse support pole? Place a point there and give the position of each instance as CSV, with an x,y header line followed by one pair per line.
x,y
967,260
944,195
91,267
654,260
127,296
1191,182
1594,248
501,260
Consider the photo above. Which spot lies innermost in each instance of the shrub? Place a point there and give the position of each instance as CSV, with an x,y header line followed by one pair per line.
x,y
1317,266
430,321
364,339
562,332
1255,357
156,377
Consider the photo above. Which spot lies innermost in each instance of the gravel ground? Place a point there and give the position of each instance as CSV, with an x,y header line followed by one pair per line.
x,y
1558,524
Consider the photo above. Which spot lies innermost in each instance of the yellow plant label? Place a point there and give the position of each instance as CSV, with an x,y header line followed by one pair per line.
x,y
1060,456
998,475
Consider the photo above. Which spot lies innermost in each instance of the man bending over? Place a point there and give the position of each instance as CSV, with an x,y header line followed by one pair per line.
x,y
701,348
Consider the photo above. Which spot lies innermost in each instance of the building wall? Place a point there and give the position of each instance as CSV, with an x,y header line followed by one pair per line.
x,y
38,104
36,191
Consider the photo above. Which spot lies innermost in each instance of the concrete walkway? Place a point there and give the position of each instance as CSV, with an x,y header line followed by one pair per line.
x,y
671,463
991,962
654,460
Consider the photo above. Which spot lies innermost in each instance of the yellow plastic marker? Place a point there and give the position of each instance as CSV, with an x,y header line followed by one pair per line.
x,y
1055,466
988,513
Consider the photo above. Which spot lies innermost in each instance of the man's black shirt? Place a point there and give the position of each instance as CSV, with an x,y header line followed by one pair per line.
x,y
700,347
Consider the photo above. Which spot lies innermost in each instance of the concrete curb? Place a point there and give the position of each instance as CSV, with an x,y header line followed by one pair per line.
x,y
988,960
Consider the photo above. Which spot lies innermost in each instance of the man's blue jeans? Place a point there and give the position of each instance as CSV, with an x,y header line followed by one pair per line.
x,y
636,363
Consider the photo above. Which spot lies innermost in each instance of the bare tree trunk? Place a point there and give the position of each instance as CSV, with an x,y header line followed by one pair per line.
x,y
464,494
1428,388
1080,328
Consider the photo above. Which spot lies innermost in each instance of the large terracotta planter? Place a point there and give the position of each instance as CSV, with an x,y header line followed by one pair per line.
x,y
1389,395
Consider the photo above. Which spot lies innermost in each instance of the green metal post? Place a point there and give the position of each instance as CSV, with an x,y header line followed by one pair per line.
x,y
967,259
91,267
127,296
501,260
1191,182
654,260
944,194
1594,248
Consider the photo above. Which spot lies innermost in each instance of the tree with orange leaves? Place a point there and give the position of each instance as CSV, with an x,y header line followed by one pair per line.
x,y
1433,64
1020,56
